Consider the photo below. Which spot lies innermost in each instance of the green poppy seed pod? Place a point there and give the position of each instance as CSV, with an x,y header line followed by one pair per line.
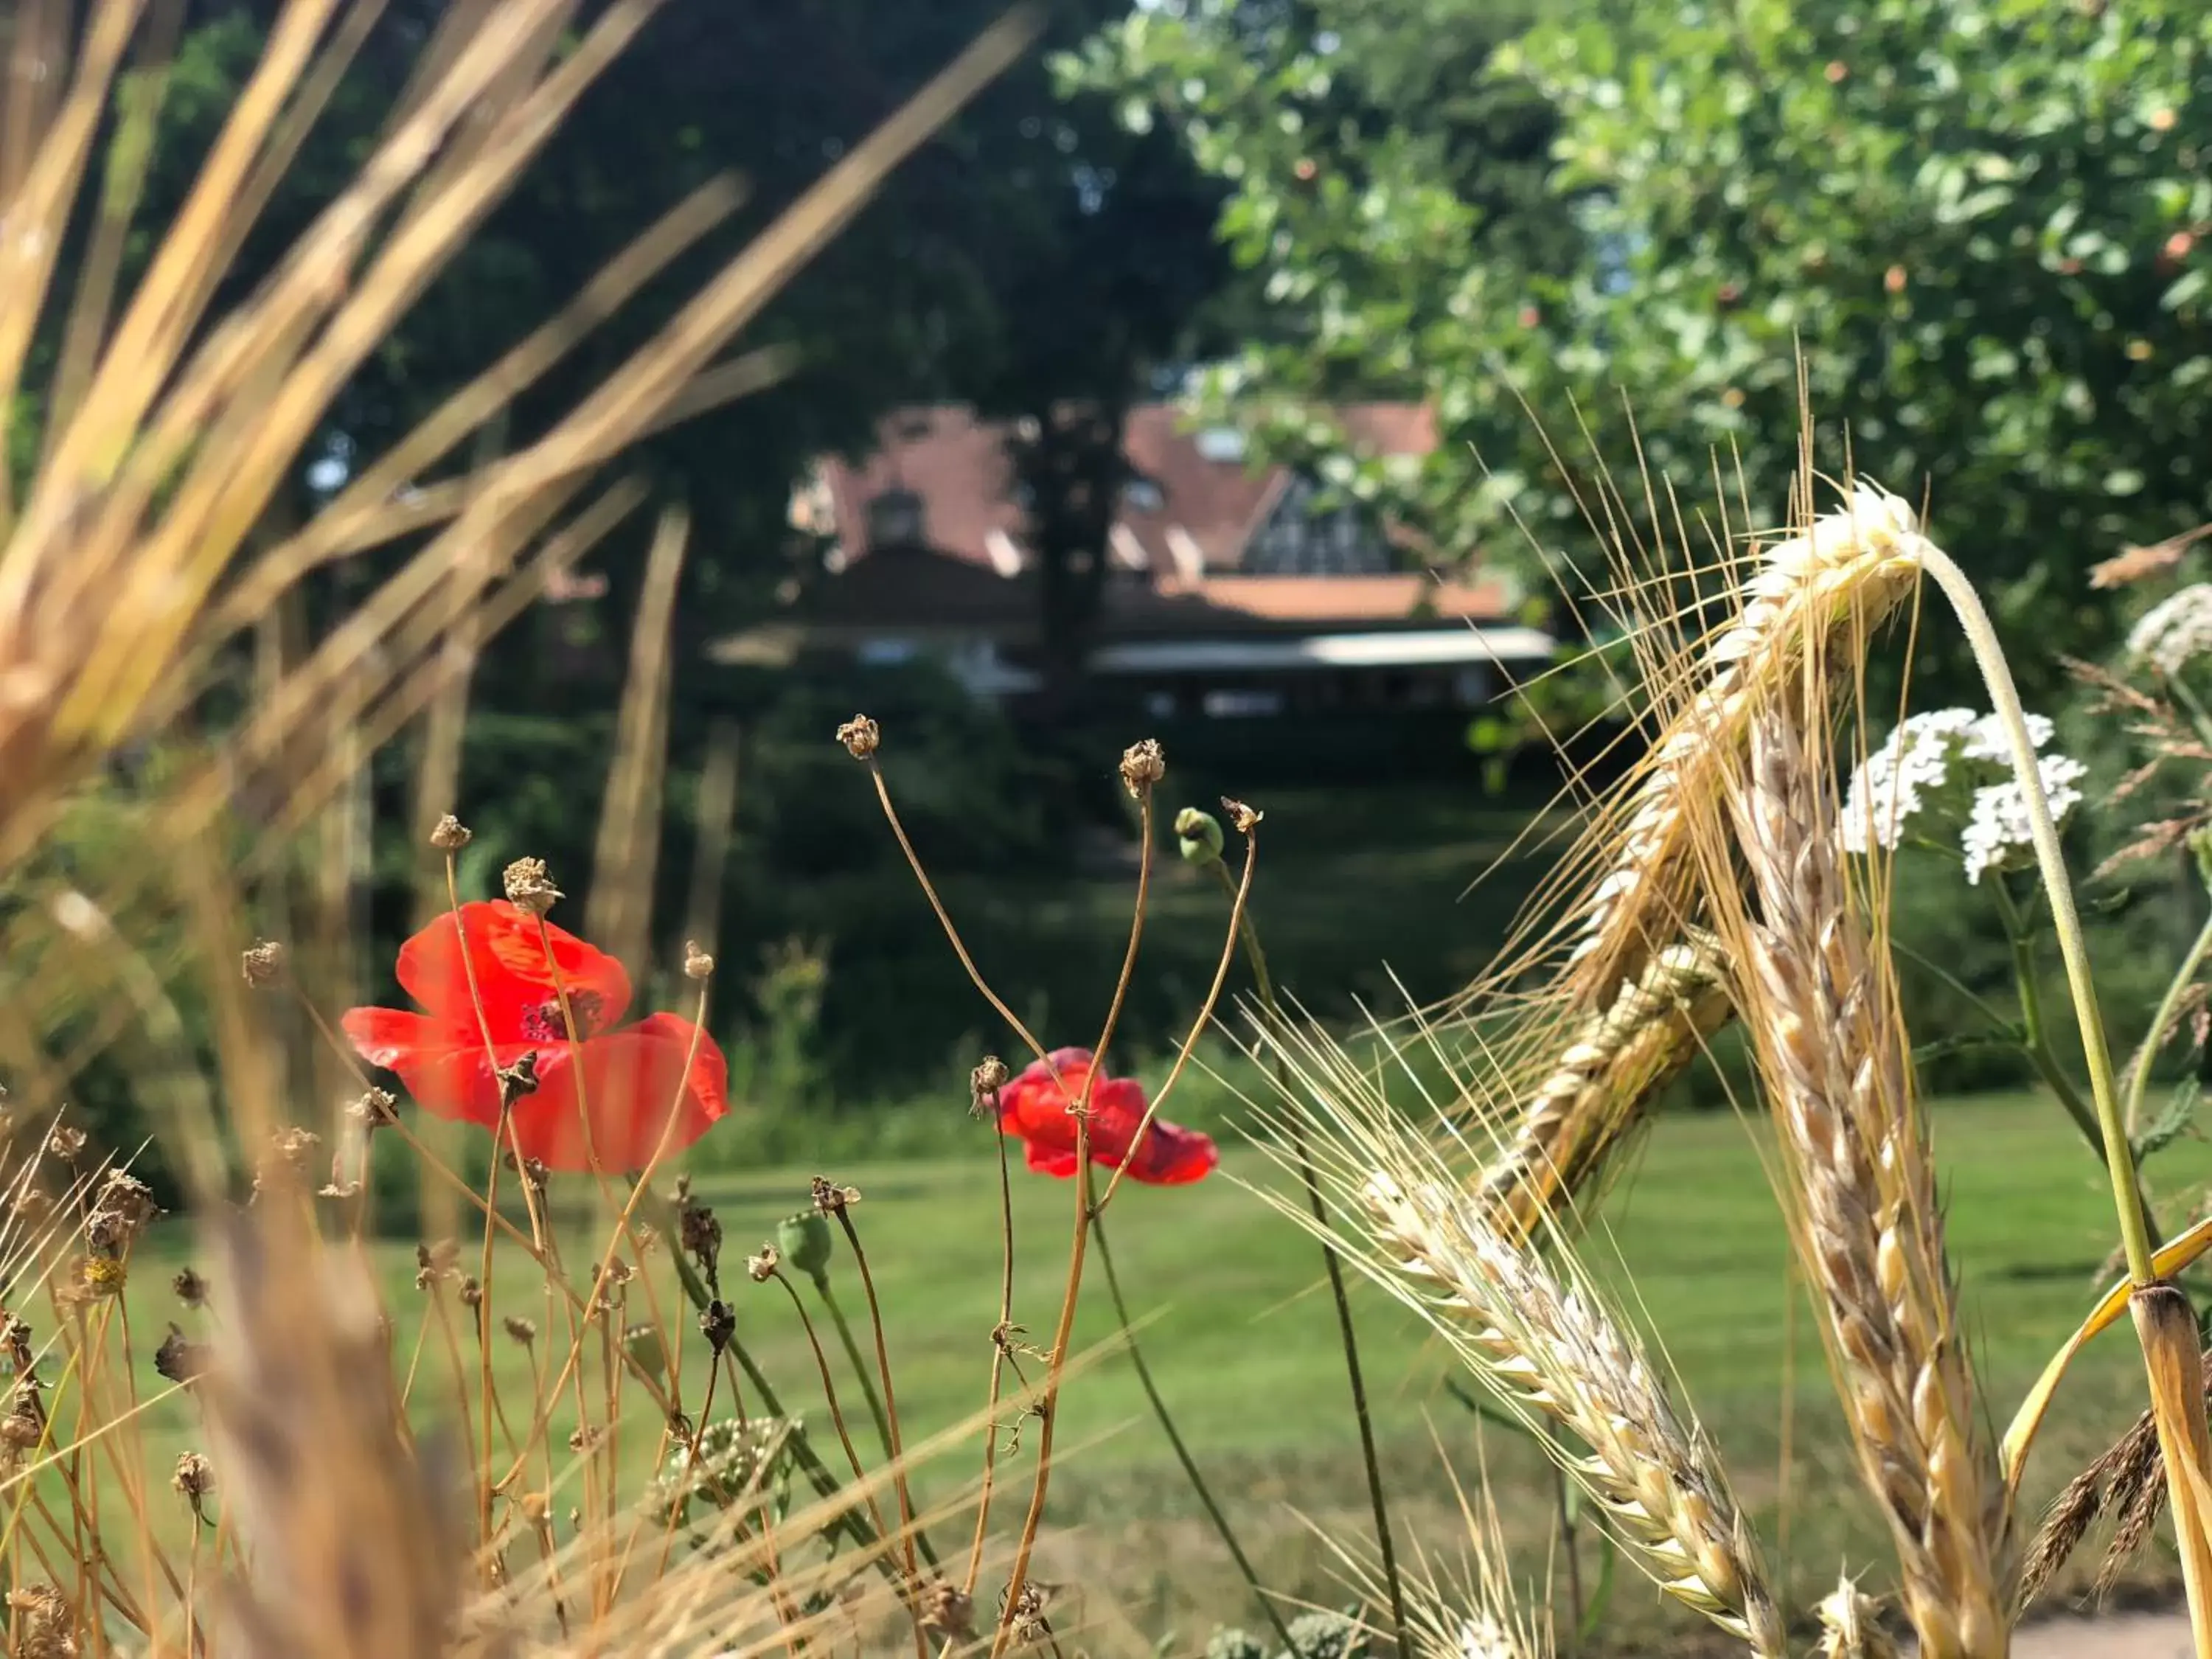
x,y
1198,835
807,1242
647,1349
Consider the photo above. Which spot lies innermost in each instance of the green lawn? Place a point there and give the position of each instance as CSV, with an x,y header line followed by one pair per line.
x,y
1242,1341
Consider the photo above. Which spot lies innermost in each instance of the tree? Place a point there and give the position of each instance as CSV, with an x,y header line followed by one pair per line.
x,y
1985,223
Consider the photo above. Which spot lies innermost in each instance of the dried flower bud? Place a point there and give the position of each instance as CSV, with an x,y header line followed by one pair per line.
x,y
529,887
471,1293
585,1437
718,1324
1198,837
697,964
761,1266
517,1080
451,834
290,1151
193,1480
191,1290
861,736
179,1360
983,1085
536,1513
1143,765
65,1143
520,1330
120,1213
804,1241
264,964
700,1235
1242,817
830,1198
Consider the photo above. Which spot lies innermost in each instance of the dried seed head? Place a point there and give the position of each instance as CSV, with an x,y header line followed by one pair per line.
x,y
100,1276
529,887
718,1324
264,964
65,1143
194,1479
120,1212
948,1611
532,1171
861,736
1143,765
983,1085
1198,837
1242,819
761,1266
179,1360
700,1233
520,1330
291,1152
44,1626
537,1512
374,1110
433,1263
470,1292
585,1437
697,964
518,1080
830,1198
191,1290
451,834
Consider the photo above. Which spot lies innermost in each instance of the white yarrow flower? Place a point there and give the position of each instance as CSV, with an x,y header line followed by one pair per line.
x,y
2174,631
1948,774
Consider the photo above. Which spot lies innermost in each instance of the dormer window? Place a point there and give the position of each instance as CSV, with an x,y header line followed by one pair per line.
x,y
895,519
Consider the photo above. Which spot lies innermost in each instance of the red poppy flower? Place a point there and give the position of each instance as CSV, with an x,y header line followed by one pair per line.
x,y
1035,1107
632,1079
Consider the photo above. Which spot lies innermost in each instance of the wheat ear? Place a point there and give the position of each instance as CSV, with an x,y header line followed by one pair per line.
x,y
1843,574
1831,1048
1850,1626
1596,1093
1551,1351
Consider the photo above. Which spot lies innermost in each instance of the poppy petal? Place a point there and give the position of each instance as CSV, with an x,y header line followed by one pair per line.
x,y
637,1090
512,974
1036,1103
1172,1156
446,1070
1046,1160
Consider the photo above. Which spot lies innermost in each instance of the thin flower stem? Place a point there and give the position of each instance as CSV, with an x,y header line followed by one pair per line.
x,y
2168,1008
1346,1332
845,1437
1048,1400
491,1210
1175,1437
1000,1336
885,1409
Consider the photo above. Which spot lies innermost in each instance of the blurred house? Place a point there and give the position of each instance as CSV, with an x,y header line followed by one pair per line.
x,y
1232,591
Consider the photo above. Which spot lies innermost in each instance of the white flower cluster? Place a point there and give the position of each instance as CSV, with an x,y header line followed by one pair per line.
x,y
1951,769
2174,631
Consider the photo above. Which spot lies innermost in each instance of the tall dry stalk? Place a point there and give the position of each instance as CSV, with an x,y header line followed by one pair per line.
x,y
1821,1005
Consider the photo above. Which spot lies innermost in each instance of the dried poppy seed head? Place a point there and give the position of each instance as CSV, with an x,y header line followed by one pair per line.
x,y
374,1110
830,1198
861,736
65,1143
761,1266
530,887
1240,816
43,1623
520,1330
191,1290
451,834
948,1611
533,1170
122,1209
517,1080
179,1360
263,963
700,1233
718,1324
471,1293
697,964
983,1085
1143,764
194,1479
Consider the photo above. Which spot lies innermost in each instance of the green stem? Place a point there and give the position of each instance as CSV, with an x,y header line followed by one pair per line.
x,y
2183,977
1347,1335
2072,947
860,1365
1175,1438
2039,1049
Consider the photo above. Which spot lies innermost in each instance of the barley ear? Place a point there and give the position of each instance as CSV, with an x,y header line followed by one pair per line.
x,y
1833,1054
1830,585
1606,1075
1551,1351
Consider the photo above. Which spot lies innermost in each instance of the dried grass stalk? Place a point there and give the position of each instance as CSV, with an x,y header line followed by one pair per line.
x,y
1832,1050
1837,580
1552,1353
1596,1095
